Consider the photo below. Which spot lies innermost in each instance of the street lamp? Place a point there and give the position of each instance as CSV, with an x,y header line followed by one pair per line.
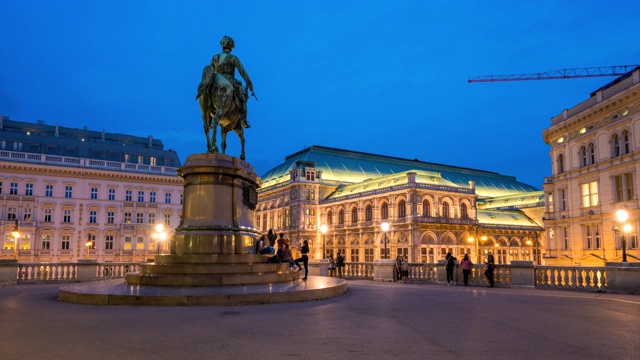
x,y
16,235
385,228
159,235
475,239
622,216
89,243
323,230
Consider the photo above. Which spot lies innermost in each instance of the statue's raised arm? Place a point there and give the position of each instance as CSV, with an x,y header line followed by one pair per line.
x,y
223,98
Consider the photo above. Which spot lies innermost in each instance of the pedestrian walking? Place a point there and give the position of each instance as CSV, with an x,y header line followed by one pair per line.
x,y
399,268
339,263
466,268
405,269
304,250
490,268
332,266
449,264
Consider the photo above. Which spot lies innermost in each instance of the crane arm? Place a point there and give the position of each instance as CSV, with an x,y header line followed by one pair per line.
x,y
559,74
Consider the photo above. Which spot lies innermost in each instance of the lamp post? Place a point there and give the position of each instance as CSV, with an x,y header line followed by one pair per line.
x,y
622,216
475,239
16,235
323,230
89,243
385,227
160,236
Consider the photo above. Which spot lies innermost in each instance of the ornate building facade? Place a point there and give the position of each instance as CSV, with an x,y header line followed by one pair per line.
x,y
595,172
81,194
428,209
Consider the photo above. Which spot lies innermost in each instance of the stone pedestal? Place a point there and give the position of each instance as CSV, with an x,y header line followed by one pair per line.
x,y
522,274
215,242
383,269
623,277
8,271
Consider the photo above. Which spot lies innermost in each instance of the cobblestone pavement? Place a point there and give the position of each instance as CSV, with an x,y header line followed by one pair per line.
x,y
372,320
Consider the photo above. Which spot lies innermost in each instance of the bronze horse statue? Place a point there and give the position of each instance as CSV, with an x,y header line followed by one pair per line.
x,y
218,107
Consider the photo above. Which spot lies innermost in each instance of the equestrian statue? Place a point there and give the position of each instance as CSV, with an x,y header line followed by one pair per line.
x,y
223,99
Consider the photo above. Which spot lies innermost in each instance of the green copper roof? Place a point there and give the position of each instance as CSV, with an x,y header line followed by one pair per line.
x,y
502,218
343,166
531,199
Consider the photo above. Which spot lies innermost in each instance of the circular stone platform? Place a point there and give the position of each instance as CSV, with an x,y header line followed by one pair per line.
x,y
116,292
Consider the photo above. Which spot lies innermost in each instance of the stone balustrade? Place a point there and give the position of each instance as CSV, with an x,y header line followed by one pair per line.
x,y
622,278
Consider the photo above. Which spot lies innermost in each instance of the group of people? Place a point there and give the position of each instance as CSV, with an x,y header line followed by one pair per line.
x,y
466,264
267,243
336,264
402,268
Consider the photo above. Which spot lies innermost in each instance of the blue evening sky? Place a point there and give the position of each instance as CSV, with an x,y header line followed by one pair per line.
x,y
384,77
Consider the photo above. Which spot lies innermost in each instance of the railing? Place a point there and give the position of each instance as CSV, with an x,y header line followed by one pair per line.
x,y
592,279
571,278
68,272
87,163
358,270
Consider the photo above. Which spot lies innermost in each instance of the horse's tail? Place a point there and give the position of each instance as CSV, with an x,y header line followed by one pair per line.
x,y
208,74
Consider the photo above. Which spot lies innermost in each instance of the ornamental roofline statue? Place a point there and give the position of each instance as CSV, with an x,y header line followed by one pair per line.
x,y
223,98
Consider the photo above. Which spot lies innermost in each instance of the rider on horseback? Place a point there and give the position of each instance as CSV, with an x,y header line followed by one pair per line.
x,y
226,64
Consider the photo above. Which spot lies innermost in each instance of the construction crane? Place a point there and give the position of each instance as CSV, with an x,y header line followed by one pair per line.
x,y
560,74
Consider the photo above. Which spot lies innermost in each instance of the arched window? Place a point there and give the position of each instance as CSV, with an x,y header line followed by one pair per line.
x,y
445,209
341,217
402,209
384,211
463,211
329,217
592,154
368,213
354,215
583,156
615,141
426,208
625,142
560,163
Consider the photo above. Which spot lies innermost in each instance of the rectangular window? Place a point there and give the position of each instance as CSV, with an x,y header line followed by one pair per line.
x,y
13,188
0,187
355,255
66,241
127,218
287,217
12,213
52,149
368,255
70,151
48,191
68,192
590,194
112,194
66,216
17,146
92,239
127,243
28,189
96,154
113,156
550,200
152,218
108,242
94,193
111,216
310,194
46,242
139,218
93,216
47,215
128,195
167,198
167,219
563,199
258,221
140,196
592,237
181,198
623,187
152,197
27,214
140,243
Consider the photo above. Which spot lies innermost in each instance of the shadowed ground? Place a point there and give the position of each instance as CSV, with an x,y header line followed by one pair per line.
x,y
371,321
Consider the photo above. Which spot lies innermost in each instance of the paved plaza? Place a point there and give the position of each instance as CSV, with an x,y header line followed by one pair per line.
x,y
373,320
